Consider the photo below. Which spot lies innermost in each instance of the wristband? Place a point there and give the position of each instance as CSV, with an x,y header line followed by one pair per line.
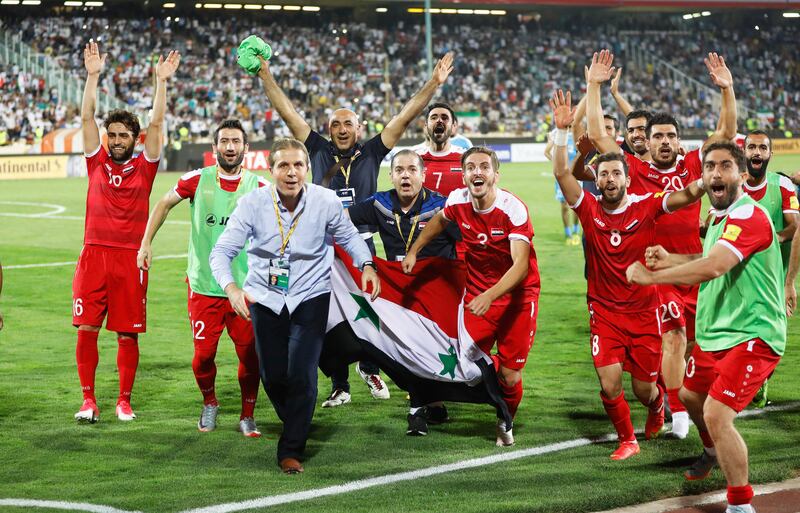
x,y
560,139
700,184
369,263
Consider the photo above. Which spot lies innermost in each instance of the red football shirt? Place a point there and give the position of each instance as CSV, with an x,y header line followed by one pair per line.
x,y
118,199
487,236
788,198
615,240
188,182
752,233
442,169
679,232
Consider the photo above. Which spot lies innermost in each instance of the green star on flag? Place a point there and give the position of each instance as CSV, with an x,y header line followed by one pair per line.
x,y
365,311
449,362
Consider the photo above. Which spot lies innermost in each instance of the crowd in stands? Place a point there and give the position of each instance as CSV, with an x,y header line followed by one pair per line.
x,y
503,74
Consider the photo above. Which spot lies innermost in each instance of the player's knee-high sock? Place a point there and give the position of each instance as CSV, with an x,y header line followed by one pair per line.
x,y
127,362
205,372
675,404
86,356
512,395
708,443
249,380
620,414
657,404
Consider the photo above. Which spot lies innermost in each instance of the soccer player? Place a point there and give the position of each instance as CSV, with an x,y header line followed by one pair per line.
x,y
741,323
400,215
213,193
668,171
502,274
351,169
624,320
568,218
107,280
442,158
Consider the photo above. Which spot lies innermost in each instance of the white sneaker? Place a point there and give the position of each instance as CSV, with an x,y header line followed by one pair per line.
x,y
504,438
124,411
247,427
208,418
376,385
740,508
337,398
680,425
88,412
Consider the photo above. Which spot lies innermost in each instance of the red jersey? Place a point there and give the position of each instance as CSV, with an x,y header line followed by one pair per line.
x,y
748,234
789,202
678,233
188,182
487,236
118,199
442,169
615,240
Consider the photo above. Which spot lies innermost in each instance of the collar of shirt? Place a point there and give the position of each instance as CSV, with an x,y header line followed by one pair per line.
x,y
416,208
345,154
301,204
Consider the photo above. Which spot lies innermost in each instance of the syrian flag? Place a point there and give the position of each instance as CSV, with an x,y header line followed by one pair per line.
x,y
413,331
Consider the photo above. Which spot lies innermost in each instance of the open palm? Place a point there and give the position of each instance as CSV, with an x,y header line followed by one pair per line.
x,y
167,67
92,59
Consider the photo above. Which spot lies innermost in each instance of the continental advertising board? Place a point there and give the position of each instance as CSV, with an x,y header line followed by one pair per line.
x,y
27,167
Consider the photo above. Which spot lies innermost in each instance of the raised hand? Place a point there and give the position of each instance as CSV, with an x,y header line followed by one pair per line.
x,y
263,71
615,82
601,68
563,111
92,59
718,71
167,67
584,145
443,68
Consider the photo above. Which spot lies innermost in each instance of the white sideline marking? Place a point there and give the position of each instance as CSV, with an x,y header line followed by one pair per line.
x,y
59,264
70,506
54,212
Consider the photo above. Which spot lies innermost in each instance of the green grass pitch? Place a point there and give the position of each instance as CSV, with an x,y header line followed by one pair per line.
x,y
160,462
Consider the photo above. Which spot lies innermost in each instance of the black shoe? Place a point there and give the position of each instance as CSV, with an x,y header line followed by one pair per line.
x,y
417,424
436,414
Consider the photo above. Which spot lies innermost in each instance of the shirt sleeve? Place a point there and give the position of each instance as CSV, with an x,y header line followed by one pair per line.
x,y
238,230
187,185
95,158
747,231
315,143
520,226
346,235
693,165
363,212
147,166
788,197
584,208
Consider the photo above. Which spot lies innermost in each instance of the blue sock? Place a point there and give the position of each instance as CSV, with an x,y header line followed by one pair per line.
x,y
576,229
568,231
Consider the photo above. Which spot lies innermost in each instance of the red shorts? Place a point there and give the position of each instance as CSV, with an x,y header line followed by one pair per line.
x,y
108,281
732,376
678,308
209,315
632,339
512,326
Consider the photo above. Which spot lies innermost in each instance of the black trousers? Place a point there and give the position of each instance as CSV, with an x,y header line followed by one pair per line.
x,y
288,348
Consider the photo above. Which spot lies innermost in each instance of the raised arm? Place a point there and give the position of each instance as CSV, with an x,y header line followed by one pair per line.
x,y
684,197
395,128
157,217
656,258
599,72
520,251
435,226
791,274
93,62
578,129
722,78
155,130
297,125
625,107
579,169
563,116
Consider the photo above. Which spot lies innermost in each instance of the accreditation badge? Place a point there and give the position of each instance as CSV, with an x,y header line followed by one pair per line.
x,y
346,196
399,258
279,274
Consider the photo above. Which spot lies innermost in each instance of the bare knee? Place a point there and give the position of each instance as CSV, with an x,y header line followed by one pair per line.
x,y
86,327
128,338
644,390
674,342
509,377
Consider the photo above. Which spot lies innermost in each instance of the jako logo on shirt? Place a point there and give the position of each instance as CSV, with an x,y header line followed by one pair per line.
x,y
211,220
466,226
600,223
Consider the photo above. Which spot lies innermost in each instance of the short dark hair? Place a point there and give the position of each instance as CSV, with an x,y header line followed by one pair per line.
x,y
736,152
406,151
612,118
441,105
234,124
661,118
759,132
480,149
613,157
636,114
130,121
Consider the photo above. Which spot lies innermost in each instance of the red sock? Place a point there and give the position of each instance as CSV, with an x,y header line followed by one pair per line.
x,y
657,404
705,436
740,495
205,373
512,396
127,362
248,377
675,404
620,414
86,356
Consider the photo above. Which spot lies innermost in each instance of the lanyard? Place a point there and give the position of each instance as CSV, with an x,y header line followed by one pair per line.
x,y
407,242
284,239
345,169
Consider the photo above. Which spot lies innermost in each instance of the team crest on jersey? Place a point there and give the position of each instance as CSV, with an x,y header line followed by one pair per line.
x,y
659,194
497,232
794,203
732,232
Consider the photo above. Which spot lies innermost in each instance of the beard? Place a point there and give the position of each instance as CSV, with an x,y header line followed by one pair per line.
x,y
614,196
439,136
757,172
126,154
663,162
224,164
727,199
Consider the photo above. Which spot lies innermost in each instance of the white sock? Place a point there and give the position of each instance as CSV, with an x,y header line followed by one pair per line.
x,y
680,424
712,451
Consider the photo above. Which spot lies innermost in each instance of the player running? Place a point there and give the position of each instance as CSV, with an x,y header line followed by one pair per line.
x,y
213,193
741,323
502,275
667,171
624,320
107,280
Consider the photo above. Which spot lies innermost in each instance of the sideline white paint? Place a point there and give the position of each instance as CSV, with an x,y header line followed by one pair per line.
x,y
69,506
54,212
59,264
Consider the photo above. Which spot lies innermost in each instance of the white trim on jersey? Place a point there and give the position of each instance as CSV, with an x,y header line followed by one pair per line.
x,y
731,247
95,152
742,212
751,188
632,198
580,200
148,159
518,236
191,174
